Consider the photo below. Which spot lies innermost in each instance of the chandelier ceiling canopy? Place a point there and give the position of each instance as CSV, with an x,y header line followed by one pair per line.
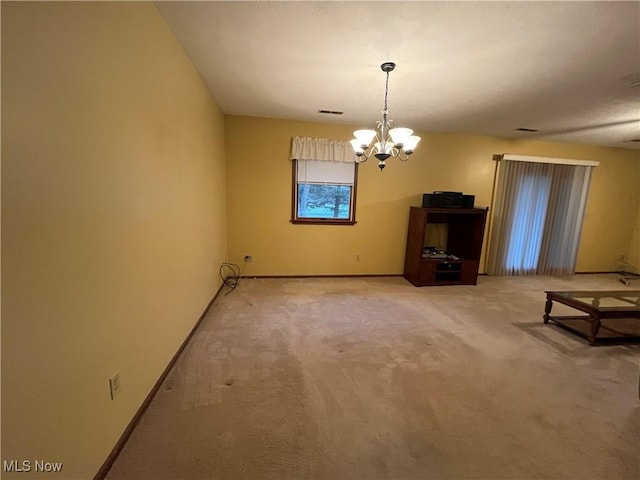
x,y
389,142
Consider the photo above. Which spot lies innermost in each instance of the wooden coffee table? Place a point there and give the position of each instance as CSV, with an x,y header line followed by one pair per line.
x,y
620,309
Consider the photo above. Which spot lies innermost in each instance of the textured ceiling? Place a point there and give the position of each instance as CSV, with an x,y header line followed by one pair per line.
x,y
564,68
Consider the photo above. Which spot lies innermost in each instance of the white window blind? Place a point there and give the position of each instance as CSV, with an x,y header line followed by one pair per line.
x,y
315,171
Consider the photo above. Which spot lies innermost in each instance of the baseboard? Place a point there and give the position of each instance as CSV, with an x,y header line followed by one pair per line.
x,y
106,466
593,273
326,276
585,273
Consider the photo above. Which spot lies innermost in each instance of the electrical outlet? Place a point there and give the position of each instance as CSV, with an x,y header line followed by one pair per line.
x,y
248,258
357,258
114,385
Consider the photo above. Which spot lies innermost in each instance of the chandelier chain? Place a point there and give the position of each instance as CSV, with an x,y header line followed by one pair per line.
x,y
386,92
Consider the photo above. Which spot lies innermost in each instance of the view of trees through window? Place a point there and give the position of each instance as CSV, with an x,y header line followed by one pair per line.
x,y
323,201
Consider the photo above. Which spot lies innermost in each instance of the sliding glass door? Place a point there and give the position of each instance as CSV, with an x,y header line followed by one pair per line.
x,y
537,218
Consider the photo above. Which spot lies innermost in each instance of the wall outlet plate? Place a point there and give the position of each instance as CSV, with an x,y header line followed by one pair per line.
x,y
248,258
114,385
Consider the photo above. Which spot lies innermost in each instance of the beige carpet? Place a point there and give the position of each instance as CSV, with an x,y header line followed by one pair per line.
x,y
372,378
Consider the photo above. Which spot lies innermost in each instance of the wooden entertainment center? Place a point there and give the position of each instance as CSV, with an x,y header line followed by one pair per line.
x,y
464,231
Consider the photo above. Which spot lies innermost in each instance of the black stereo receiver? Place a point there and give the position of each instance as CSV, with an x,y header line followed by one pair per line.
x,y
447,200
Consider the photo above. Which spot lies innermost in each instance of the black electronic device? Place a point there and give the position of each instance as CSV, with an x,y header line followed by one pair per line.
x,y
468,201
440,199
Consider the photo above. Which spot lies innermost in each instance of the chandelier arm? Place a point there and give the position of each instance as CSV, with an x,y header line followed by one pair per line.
x,y
379,132
406,156
367,154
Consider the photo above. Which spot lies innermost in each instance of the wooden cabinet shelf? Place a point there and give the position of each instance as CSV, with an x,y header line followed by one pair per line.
x,y
456,231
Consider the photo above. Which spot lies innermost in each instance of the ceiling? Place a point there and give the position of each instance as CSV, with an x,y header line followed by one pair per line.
x,y
563,68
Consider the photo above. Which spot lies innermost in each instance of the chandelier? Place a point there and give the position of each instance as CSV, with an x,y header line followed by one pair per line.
x,y
390,142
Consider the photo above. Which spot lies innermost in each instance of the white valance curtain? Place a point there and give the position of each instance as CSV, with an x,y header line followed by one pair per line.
x,y
537,215
321,149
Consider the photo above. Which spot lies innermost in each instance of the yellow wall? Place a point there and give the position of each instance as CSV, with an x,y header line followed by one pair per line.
x,y
612,210
634,248
113,220
259,198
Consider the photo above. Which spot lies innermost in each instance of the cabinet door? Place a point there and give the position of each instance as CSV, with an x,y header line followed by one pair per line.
x,y
427,271
470,272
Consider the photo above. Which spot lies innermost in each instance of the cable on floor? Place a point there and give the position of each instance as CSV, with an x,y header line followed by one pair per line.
x,y
230,275
627,272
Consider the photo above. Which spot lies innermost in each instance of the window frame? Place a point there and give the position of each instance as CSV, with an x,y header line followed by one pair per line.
x,y
295,219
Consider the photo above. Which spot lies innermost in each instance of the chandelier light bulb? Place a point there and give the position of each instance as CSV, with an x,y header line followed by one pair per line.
x,y
357,147
364,137
400,135
410,144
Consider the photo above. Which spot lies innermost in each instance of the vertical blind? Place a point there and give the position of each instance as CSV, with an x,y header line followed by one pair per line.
x,y
537,217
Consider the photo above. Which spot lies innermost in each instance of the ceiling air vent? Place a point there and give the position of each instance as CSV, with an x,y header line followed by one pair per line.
x,y
527,130
330,112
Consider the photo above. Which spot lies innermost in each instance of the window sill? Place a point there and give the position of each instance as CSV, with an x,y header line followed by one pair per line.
x,y
322,221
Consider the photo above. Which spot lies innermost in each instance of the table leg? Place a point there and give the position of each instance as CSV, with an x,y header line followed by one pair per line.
x,y
547,309
595,326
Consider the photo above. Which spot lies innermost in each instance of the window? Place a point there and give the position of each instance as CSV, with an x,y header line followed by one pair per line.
x,y
324,181
324,192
